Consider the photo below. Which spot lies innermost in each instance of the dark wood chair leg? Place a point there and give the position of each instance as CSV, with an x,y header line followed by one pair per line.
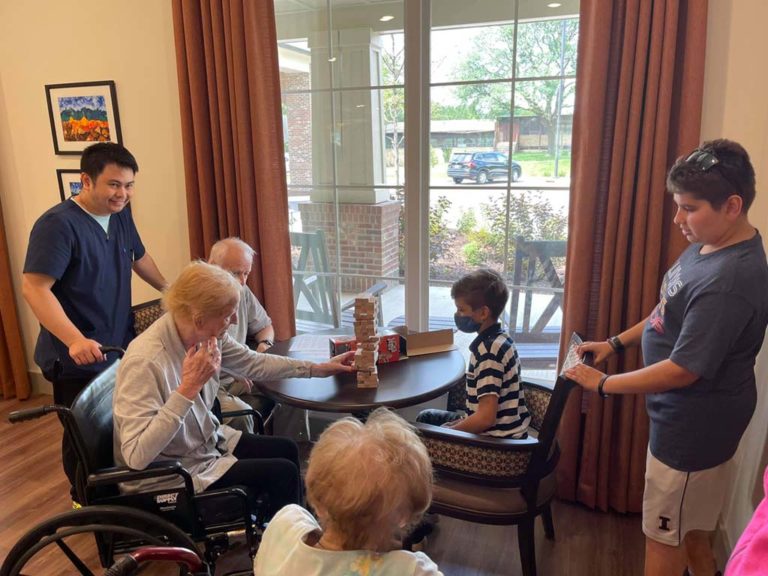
x,y
526,544
549,525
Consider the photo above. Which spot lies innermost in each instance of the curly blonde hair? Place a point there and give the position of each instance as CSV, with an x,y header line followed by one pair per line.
x,y
201,290
369,480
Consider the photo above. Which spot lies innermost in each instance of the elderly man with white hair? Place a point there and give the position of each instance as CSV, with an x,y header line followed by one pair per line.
x,y
253,325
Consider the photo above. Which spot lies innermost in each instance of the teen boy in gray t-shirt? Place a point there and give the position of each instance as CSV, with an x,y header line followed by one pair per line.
x,y
710,320
699,345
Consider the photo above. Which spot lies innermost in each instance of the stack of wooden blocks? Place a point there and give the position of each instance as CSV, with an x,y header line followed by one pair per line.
x,y
367,353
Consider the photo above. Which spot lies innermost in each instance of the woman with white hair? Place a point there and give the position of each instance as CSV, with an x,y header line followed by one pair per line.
x,y
167,383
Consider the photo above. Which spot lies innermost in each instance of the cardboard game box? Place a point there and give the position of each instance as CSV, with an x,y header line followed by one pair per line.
x,y
418,343
389,346
399,343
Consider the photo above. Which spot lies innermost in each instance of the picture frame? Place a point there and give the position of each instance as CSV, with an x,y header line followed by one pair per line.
x,y
69,183
82,113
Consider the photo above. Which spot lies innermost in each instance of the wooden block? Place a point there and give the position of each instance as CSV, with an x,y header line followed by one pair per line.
x,y
365,307
367,379
366,322
364,366
366,359
364,331
371,345
365,300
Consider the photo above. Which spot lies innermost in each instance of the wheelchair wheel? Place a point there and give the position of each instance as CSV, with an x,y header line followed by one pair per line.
x,y
86,541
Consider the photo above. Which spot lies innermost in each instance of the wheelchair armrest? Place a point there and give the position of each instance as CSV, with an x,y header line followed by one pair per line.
x,y
258,418
230,491
108,476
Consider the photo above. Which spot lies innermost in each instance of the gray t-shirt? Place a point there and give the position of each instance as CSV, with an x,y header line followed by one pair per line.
x,y
711,320
251,319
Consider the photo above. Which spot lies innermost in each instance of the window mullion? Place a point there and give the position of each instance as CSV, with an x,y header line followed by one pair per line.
x,y
417,116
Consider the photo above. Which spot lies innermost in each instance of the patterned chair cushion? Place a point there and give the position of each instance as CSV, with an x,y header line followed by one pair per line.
x,y
145,314
537,401
487,462
457,396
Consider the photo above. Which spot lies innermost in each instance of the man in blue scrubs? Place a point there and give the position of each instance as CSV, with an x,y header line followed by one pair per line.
x,y
77,273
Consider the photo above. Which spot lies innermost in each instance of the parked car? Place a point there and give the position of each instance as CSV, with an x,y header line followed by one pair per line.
x,y
482,167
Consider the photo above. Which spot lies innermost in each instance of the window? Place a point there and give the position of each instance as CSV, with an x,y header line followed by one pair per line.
x,y
495,161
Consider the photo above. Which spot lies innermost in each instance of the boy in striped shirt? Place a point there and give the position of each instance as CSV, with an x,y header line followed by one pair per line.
x,y
495,401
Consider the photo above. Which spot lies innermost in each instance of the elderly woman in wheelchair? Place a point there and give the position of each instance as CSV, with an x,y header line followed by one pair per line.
x,y
167,384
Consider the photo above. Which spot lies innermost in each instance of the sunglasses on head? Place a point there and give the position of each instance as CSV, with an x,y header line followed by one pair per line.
x,y
702,159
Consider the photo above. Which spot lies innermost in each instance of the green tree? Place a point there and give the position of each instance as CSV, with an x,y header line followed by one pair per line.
x,y
531,216
544,48
439,234
447,112
393,99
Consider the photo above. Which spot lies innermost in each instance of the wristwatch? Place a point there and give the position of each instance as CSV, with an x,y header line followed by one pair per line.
x,y
616,344
266,341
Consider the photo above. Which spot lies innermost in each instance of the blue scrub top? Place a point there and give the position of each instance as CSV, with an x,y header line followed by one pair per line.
x,y
92,273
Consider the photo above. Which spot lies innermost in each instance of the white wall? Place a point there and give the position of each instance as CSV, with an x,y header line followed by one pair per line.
x,y
48,41
735,107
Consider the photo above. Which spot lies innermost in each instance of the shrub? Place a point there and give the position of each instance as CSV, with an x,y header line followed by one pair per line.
x,y
467,222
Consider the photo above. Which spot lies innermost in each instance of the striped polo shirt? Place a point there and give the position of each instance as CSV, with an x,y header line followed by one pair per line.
x,y
494,368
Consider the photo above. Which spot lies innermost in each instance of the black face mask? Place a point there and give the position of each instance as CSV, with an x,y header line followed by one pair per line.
x,y
466,323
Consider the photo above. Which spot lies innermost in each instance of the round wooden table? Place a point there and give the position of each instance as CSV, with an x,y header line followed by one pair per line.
x,y
405,383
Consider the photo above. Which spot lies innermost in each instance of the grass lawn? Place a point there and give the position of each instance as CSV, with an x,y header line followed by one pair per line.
x,y
540,163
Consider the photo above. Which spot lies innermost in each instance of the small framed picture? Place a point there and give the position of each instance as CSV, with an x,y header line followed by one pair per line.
x,y
69,183
82,113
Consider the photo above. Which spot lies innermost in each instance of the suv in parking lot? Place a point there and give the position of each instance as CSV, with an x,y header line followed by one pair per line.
x,y
481,167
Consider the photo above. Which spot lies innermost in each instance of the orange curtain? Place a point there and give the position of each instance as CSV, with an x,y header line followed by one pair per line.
x,y
229,89
13,367
638,107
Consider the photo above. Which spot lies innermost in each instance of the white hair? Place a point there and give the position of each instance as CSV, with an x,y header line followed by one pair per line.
x,y
220,249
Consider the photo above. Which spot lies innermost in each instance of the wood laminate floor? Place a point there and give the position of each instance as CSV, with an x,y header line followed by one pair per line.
x,y
34,488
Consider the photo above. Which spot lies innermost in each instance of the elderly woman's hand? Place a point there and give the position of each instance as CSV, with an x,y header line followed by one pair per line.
x,y
336,365
200,364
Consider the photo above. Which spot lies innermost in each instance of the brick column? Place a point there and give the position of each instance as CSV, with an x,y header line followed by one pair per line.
x,y
299,126
368,235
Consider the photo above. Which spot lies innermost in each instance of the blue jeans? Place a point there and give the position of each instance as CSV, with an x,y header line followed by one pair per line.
x,y
438,417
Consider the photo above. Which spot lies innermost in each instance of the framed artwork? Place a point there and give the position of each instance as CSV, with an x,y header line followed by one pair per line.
x,y
82,113
69,183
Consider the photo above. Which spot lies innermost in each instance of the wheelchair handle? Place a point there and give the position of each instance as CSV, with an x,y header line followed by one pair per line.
x,y
116,349
33,413
128,564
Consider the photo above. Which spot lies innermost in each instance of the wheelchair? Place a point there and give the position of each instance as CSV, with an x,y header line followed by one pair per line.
x,y
209,519
71,535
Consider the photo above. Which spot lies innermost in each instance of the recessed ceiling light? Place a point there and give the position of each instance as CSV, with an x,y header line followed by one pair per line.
x,y
333,59
554,5
386,18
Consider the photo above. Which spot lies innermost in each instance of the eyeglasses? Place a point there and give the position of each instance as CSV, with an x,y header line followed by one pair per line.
x,y
702,159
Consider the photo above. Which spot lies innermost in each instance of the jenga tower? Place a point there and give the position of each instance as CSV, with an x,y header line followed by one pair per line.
x,y
367,353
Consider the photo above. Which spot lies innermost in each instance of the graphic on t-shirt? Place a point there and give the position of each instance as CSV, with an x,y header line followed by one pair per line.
x,y
365,565
671,285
